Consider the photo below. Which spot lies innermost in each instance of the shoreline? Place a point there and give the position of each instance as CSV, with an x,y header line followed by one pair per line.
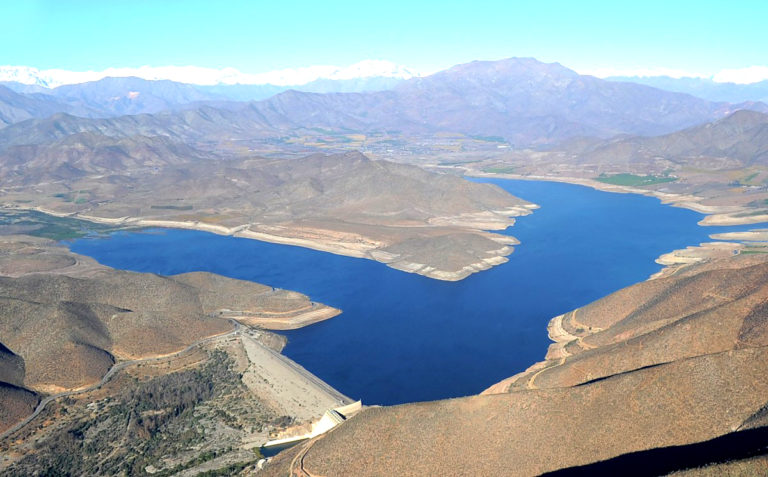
x,y
672,262
356,246
290,320
714,215
276,379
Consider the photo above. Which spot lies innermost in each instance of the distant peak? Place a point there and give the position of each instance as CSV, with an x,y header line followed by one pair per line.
x,y
357,156
745,117
512,66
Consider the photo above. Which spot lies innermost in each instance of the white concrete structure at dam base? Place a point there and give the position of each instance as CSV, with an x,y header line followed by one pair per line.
x,y
330,419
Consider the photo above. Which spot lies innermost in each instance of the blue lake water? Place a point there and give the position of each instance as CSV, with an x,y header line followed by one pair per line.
x,y
403,337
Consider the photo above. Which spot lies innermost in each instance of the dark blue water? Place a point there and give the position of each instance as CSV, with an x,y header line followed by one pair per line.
x,y
403,337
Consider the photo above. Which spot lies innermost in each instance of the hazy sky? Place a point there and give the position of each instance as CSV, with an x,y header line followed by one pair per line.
x,y
255,36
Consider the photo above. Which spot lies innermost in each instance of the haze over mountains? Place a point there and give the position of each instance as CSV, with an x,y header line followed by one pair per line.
x,y
368,75
520,100
704,87
24,75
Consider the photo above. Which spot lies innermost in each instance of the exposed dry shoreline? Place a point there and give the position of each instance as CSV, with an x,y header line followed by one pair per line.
x,y
714,214
348,244
359,246
658,365
182,313
673,262
756,235
290,320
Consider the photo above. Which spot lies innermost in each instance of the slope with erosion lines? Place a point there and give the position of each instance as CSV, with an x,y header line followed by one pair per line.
x,y
739,140
668,362
87,154
16,107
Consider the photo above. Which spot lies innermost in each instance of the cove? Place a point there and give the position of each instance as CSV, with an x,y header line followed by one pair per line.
x,y
405,338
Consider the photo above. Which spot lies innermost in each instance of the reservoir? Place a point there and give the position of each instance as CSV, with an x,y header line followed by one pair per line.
x,y
403,337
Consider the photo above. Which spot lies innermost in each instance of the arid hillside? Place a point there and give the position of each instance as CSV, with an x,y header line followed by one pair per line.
x,y
345,203
739,140
84,154
65,323
718,168
665,369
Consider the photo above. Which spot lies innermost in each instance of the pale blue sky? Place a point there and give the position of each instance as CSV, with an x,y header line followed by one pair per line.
x,y
256,36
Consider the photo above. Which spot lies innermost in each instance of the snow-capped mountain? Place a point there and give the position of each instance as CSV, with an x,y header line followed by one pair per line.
x,y
744,76
24,75
210,76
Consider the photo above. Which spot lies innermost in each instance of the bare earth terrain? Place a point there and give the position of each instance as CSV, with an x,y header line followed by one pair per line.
x,y
433,224
106,372
670,363
113,357
719,169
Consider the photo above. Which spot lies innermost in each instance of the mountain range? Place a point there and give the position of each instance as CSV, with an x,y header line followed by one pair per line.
x,y
367,75
669,365
15,107
35,78
704,87
734,142
520,100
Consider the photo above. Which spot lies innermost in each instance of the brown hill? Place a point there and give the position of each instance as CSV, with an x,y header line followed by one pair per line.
x,y
11,367
736,141
345,203
117,315
662,321
15,107
83,154
92,320
15,403
62,332
718,168
664,367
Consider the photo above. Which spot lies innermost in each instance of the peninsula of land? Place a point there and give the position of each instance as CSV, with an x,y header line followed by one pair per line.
x,y
436,225
122,354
